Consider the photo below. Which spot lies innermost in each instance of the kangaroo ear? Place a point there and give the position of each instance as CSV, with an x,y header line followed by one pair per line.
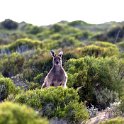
x,y
52,53
60,54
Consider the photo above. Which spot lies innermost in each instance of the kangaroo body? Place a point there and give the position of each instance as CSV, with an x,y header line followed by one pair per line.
x,y
57,75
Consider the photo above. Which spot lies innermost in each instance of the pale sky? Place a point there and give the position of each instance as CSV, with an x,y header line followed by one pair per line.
x,y
45,12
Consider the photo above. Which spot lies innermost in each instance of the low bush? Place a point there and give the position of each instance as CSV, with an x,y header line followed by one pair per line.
x,y
25,44
121,46
37,67
103,98
34,30
76,113
21,46
118,120
9,24
7,87
91,75
56,102
100,49
11,65
57,28
122,104
69,42
11,113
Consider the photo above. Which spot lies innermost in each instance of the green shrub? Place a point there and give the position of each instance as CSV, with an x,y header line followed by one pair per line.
x,y
121,55
7,87
32,86
57,28
11,113
68,41
50,44
121,46
78,23
11,65
118,120
56,36
31,44
38,78
9,24
122,104
21,45
55,102
103,98
82,36
45,34
90,74
38,64
113,35
65,42
76,113
93,50
34,30
101,49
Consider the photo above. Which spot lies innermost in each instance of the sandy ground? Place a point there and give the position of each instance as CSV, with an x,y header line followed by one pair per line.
x,y
100,117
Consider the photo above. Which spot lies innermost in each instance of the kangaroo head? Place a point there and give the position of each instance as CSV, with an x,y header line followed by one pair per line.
x,y
57,59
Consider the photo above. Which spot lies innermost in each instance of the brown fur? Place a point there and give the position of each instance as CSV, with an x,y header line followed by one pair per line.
x,y
57,75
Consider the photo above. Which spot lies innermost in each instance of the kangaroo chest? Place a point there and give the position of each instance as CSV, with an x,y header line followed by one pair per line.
x,y
58,75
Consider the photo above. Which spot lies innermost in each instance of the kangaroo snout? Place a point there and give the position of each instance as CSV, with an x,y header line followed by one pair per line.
x,y
57,60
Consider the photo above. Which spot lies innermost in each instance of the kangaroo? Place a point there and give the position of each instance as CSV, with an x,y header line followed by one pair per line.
x,y
57,75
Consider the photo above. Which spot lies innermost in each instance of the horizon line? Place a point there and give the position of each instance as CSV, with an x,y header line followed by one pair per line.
x,y
52,23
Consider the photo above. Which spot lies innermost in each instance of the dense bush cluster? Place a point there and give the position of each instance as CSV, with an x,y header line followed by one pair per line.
x,y
9,24
56,102
20,46
11,113
96,77
114,35
7,87
11,65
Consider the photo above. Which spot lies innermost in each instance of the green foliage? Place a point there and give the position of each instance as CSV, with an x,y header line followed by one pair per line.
x,y
103,98
69,42
55,102
30,29
113,35
57,28
50,44
38,78
32,85
11,113
11,65
117,120
39,64
122,104
7,87
45,34
65,42
25,44
20,46
100,49
121,46
76,113
56,36
91,74
9,24
77,23
34,30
